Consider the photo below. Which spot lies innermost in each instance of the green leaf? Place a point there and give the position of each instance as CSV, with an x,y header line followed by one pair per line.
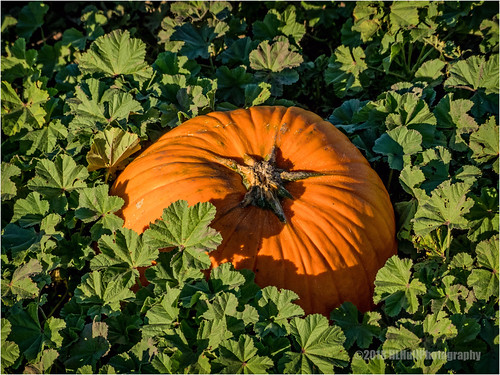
x,y
398,339
320,346
29,334
10,350
162,314
58,177
484,145
106,290
9,189
275,308
439,328
123,250
30,211
393,286
398,144
31,18
238,52
483,216
111,149
222,305
240,357
361,333
447,206
17,239
21,284
430,71
344,69
187,229
43,363
375,365
19,62
274,58
45,139
402,15
96,205
90,347
18,114
74,38
475,73
257,94
485,281
231,83
116,54
197,41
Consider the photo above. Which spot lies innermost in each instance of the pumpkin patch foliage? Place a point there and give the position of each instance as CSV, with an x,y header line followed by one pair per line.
x,y
87,87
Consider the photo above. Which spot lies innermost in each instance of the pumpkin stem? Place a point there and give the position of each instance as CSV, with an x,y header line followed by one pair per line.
x,y
265,182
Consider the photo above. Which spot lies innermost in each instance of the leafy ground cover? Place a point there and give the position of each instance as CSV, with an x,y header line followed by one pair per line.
x,y
85,86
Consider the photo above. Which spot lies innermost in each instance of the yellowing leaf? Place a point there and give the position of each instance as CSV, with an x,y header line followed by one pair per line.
x,y
111,148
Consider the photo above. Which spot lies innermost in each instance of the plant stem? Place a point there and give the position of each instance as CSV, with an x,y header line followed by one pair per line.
x,y
58,304
389,180
448,243
390,73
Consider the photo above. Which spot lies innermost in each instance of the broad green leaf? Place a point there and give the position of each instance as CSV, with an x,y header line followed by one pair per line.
x,y
435,164
115,54
197,41
447,206
361,333
475,73
257,94
212,333
16,239
375,365
484,144
111,149
485,281
398,144
90,347
31,18
96,205
18,114
403,14
172,64
21,284
319,346
19,62
187,229
240,357
268,28
483,216
231,83
162,314
124,250
275,57
10,350
29,334
238,52
55,178
225,277
289,25
275,308
393,286
74,38
30,211
430,71
45,139
439,327
398,339
9,189
411,178
344,69
221,306
412,112
43,363
106,290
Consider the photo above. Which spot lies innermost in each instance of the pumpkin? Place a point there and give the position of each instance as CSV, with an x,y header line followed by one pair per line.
x,y
296,201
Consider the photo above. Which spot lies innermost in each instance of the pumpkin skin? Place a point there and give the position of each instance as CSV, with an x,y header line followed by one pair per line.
x,y
339,228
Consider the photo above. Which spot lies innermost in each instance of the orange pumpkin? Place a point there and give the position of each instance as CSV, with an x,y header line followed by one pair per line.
x,y
296,201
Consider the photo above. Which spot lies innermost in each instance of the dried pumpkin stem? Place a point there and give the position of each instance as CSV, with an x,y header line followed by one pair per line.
x,y
265,182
